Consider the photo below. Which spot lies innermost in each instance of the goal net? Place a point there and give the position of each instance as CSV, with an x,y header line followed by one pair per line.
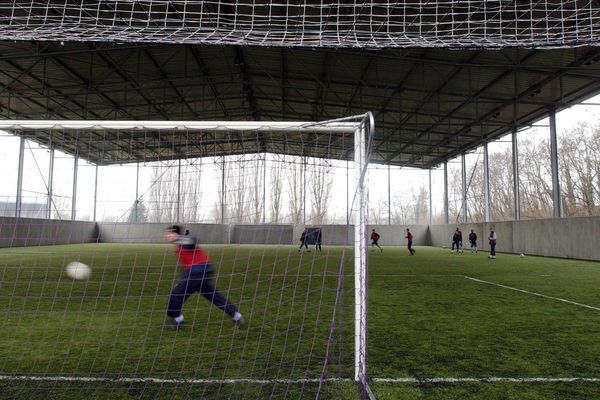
x,y
243,192
373,24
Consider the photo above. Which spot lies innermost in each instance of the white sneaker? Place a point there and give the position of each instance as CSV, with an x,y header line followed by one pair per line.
x,y
238,321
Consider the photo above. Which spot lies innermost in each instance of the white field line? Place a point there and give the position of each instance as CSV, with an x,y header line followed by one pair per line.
x,y
37,378
500,379
533,293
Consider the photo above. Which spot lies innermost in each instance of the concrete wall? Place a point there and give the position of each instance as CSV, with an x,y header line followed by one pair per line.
x,y
567,237
121,232
262,234
16,232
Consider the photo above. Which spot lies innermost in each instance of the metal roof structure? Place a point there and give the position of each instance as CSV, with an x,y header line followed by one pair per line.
x,y
430,104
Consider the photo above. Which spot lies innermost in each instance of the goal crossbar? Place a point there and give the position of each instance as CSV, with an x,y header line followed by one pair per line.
x,y
342,125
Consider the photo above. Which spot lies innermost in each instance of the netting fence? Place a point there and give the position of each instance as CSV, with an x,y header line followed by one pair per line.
x,y
373,24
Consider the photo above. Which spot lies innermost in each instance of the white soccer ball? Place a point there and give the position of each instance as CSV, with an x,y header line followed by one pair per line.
x,y
522,255
78,271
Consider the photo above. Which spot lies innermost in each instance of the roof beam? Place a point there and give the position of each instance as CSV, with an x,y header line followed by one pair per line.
x,y
213,87
128,80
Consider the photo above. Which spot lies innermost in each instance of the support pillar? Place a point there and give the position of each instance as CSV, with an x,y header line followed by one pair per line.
x,y
486,183
95,192
515,160
554,166
74,198
50,184
430,201
463,162
19,194
446,217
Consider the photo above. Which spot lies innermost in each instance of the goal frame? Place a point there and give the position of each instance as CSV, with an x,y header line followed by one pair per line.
x,y
363,127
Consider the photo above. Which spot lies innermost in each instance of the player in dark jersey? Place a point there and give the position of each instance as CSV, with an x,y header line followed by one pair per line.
x,y
457,240
318,240
409,240
197,277
492,240
304,240
473,241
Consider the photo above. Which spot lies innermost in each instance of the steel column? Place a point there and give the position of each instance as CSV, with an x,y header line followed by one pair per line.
x,y
446,216
74,198
554,166
50,183
515,160
19,198
486,183
463,162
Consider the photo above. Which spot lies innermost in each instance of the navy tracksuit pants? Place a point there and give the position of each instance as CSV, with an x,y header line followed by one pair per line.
x,y
200,282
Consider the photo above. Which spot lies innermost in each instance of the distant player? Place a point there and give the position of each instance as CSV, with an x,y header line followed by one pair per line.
x,y
492,239
375,240
318,239
473,241
304,240
197,277
457,240
409,240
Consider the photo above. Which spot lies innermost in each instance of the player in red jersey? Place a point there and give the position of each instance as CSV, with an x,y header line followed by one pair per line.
x,y
375,240
197,277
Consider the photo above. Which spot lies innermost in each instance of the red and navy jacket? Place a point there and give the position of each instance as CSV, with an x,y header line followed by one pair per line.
x,y
194,260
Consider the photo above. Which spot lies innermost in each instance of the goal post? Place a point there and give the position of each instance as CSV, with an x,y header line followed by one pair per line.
x,y
133,142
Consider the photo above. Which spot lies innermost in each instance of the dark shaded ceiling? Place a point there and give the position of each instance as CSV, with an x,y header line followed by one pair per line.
x,y
430,104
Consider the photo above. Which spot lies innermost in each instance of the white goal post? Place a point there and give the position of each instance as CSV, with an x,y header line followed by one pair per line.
x,y
363,128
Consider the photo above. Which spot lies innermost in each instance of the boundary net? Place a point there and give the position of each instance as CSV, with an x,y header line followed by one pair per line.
x,y
374,24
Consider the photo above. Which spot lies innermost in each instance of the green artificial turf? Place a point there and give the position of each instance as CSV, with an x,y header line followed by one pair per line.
x,y
427,320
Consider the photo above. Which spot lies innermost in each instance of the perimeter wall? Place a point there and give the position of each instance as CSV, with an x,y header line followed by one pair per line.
x,y
567,238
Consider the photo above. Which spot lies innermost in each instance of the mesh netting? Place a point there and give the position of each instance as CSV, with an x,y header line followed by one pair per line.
x,y
373,24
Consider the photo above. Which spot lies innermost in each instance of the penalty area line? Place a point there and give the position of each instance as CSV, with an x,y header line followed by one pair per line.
x,y
92,379
532,293
499,379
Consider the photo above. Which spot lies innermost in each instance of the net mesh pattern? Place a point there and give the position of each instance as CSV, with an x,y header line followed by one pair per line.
x,y
108,336
373,24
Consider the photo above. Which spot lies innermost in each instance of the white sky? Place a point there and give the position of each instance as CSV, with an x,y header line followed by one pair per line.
x,y
117,184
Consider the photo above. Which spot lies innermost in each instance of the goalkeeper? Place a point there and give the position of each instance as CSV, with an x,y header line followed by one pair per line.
x,y
197,277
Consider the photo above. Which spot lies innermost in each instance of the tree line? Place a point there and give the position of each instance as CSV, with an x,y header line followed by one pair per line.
x,y
281,188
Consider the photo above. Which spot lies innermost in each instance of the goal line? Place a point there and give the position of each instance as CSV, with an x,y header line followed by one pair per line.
x,y
151,380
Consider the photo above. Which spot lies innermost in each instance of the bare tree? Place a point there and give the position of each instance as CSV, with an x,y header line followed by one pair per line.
x,y
320,189
501,185
256,194
237,191
455,200
421,206
296,189
175,192
579,165
220,210
535,182
378,211
276,190
402,206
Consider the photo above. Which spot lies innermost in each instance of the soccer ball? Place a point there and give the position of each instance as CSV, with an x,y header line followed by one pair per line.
x,y
522,255
78,271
